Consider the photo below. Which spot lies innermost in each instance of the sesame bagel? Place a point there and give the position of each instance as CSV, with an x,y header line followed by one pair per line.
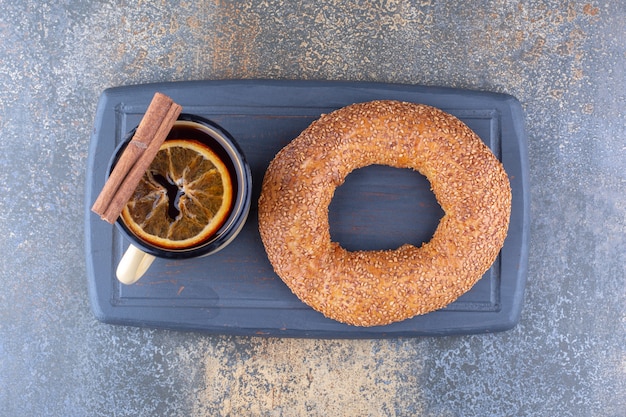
x,y
370,288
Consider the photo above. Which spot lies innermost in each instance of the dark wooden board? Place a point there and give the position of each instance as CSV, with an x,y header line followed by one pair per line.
x,y
236,291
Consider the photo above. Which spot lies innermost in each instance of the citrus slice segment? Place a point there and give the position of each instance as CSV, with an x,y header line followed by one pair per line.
x,y
183,198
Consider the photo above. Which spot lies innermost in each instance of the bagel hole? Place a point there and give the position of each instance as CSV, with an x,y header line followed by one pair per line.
x,y
380,207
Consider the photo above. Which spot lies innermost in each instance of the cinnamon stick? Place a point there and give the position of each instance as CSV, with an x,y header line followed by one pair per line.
x,y
137,157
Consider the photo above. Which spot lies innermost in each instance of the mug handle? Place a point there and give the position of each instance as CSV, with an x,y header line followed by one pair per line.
x,y
133,265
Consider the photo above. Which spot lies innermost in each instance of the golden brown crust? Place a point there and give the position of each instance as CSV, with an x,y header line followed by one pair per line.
x,y
369,288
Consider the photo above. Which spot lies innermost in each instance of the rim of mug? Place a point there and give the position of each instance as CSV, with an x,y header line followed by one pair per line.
x,y
241,207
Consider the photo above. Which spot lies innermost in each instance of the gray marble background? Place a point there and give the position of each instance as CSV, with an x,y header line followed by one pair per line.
x,y
564,60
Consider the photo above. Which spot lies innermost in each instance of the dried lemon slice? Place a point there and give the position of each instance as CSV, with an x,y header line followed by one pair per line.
x,y
183,198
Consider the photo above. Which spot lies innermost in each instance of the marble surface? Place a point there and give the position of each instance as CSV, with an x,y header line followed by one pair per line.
x,y
564,60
